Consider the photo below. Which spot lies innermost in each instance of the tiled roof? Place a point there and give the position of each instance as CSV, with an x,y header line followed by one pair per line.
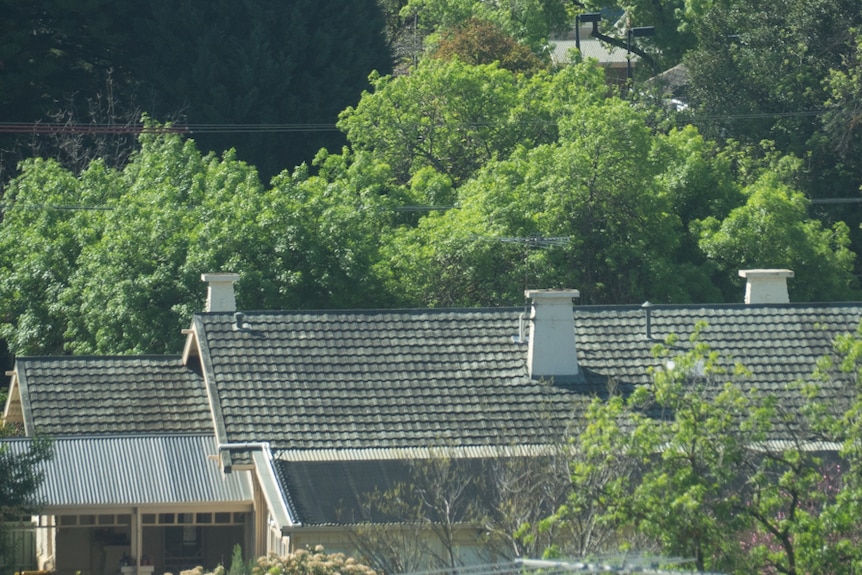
x,y
414,378
125,394
134,470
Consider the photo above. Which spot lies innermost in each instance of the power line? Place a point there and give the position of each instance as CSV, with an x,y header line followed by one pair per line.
x,y
265,128
55,128
104,208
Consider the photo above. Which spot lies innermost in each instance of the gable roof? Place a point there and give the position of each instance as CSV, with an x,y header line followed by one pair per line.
x,y
121,471
403,379
374,379
124,394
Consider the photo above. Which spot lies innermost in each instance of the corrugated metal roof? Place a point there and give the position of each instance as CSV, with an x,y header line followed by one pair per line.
x,y
135,470
454,452
590,48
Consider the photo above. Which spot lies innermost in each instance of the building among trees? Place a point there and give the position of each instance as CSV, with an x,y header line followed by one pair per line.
x,y
325,422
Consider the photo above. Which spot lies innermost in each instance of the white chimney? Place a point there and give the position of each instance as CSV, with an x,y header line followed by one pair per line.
x,y
551,350
220,296
766,286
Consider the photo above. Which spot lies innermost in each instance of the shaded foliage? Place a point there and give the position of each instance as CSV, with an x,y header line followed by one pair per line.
x,y
477,42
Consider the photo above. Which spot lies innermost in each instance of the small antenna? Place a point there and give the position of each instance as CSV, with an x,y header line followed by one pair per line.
x,y
534,242
537,241
530,242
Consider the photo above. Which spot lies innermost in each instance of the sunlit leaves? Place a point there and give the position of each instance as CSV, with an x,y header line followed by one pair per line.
x,y
773,230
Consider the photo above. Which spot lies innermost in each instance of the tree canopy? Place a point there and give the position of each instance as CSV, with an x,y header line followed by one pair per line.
x,y
697,470
110,261
460,185
267,79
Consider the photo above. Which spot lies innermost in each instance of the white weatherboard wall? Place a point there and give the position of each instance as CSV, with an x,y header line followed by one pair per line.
x,y
552,351
766,285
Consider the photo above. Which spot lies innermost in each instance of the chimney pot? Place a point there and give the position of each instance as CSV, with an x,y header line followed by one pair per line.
x,y
220,295
766,285
551,351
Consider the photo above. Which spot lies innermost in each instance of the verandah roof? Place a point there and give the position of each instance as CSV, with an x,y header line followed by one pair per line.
x,y
126,471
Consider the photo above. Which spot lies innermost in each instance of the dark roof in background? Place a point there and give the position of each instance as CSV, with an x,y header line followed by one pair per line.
x,y
336,492
125,394
413,378
343,492
134,470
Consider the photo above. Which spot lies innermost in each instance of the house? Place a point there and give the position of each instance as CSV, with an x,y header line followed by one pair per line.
x,y
271,426
613,59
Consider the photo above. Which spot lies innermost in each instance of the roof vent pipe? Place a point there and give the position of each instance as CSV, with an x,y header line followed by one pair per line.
x,y
551,351
220,296
521,336
647,307
766,285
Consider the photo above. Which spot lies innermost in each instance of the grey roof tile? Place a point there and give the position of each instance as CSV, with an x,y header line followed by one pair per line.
x,y
124,394
410,378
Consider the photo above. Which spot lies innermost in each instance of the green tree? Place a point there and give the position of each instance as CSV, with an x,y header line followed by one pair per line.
x,y
125,249
51,50
704,479
268,79
843,118
600,188
454,118
447,115
40,239
20,477
760,71
478,42
529,21
773,230
257,65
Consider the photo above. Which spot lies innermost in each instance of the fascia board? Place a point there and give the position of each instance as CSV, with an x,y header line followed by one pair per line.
x,y
271,491
211,389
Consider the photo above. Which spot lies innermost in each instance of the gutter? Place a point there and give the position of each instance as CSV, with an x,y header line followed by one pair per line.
x,y
266,477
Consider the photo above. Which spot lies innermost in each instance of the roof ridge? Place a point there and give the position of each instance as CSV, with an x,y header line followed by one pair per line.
x,y
516,308
368,311
105,436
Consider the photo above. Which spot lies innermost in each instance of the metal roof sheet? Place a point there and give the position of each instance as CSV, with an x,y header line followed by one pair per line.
x,y
453,452
590,48
135,470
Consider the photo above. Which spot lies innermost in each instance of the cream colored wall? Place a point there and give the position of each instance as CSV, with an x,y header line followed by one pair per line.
x,y
45,543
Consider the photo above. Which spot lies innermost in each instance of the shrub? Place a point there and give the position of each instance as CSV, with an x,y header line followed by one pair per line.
x,y
303,562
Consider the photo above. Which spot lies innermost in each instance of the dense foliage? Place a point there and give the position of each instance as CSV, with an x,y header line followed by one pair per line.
x,y
253,75
691,466
540,180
